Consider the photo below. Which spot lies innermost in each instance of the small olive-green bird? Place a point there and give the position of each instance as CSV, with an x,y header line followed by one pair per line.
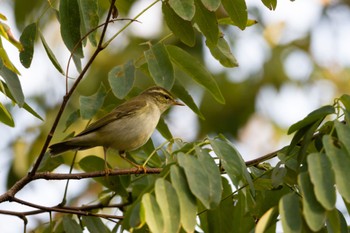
x,y
126,128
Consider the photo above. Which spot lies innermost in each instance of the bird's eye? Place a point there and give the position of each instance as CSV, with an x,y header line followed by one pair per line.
x,y
167,97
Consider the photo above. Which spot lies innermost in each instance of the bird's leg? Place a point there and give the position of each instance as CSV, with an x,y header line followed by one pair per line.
x,y
139,167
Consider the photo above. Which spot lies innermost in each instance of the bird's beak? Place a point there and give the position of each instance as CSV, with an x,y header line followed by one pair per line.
x,y
178,103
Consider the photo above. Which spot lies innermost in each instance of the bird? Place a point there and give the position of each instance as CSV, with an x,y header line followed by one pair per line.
x,y
126,128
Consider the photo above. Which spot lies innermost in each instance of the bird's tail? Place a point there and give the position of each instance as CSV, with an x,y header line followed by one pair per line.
x,y
59,148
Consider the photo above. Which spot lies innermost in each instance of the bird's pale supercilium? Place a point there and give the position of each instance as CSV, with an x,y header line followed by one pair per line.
x,y
126,128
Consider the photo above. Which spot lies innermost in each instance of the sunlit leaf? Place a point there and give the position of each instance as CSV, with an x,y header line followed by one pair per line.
x,y
169,205
183,8
289,209
322,177
50,54
90,105
232,162
197,178
160,66
121,79
213,171
5,31
151,212
207,23
267,220
343,131
237,10
340,161
27,39
336,222
314,213
188,207
6,60
196,70
5,116
181,28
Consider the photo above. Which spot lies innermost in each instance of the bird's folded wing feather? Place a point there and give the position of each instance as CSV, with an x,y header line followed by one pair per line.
x,y
119,112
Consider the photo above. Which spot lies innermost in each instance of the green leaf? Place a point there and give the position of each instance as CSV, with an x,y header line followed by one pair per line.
x,y
237,10
90,18
314,213
181,28
50,54
70,26
121,79
271,4
267,220
207,23
5,116
211,5
188,207
290,213
13,84
222,52
221,219
160,66
4,57
343,131
7,92
27,39
214,175
169,205
232,162
70,225
197,178
90,105
183,8
314,116
94,225
336,222
322,177
196,70
179,90
340,161
150,211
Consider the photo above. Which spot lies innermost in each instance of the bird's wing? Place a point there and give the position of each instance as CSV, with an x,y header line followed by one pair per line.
x,y
119,112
